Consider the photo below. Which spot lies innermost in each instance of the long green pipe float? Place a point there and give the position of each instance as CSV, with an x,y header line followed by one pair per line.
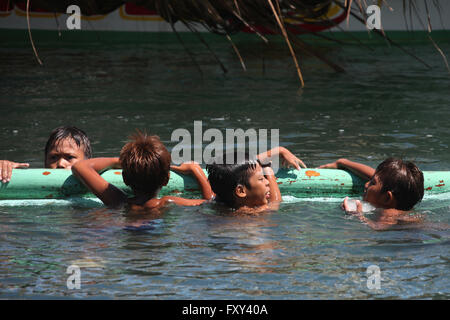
x,y
61,184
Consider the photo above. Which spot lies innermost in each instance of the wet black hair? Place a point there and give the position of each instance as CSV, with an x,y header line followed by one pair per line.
x,y
224,178
404,179
77,135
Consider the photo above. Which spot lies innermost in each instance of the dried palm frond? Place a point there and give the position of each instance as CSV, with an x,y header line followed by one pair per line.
x,y
228,17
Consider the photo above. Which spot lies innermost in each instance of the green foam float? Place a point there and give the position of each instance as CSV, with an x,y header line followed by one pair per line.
x,y
306,183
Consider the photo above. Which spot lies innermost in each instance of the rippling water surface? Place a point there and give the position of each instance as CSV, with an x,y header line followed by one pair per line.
x,y
387,104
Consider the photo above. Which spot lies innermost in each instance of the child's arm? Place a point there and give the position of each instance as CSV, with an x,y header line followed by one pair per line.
x,y
88,172
195,169
378,226
6,168
359,169
275,194
288,159
179,201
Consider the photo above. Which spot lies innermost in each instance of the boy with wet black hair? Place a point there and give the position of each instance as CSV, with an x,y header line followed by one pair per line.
x,y
249,186
395,187
64,147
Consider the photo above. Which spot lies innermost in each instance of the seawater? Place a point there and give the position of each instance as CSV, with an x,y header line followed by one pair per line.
x,y
387,104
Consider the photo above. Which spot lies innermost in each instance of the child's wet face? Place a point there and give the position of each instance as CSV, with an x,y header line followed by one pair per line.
x,y
372,191
63,155
259,193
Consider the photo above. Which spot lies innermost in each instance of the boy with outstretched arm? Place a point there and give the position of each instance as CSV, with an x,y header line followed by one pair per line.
x,y
145,164
250,186
395,187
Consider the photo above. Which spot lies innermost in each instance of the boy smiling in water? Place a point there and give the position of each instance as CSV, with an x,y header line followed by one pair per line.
x,y
395,187
249,187
64,147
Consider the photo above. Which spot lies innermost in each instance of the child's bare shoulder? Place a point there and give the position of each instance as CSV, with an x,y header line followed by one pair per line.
x,y
252,211
399,219
409,218
148,205
155,203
